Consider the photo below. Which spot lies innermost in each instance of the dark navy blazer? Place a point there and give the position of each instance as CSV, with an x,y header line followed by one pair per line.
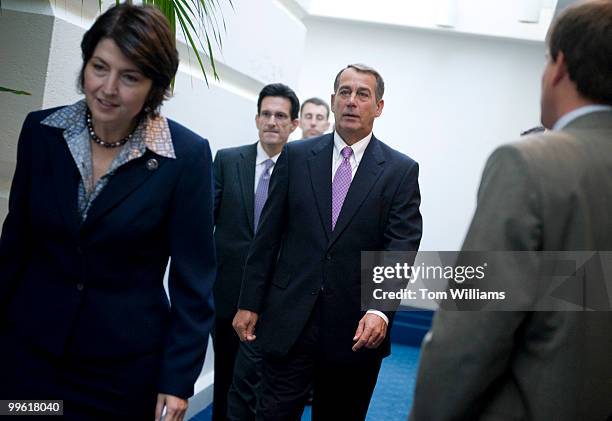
x,y
96,289
234,170
296,260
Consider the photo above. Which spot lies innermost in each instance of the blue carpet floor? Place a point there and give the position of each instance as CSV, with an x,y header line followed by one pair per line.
x,y
392,397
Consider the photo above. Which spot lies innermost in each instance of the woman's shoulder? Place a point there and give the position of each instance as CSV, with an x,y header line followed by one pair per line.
x,y
185,139
57,117
38,116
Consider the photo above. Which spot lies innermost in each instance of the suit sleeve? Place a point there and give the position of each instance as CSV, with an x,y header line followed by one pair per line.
x,y
15,238
465,352
402,232
192,274
264,250
404,223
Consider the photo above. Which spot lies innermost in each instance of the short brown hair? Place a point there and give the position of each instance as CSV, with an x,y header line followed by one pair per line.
x,y
315,101
380,83
584,34
282,91
143,35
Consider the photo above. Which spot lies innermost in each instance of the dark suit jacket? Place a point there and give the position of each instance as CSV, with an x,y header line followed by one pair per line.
x,y
96,289
550,192
234,170
295,256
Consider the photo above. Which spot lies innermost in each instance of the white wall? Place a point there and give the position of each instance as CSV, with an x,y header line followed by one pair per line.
x,y
251,57
450,99
24,69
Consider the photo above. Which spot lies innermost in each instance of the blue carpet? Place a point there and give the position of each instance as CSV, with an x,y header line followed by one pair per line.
x,y
204,415
392,397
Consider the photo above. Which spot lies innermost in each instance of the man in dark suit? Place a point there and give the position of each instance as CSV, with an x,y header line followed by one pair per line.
x,y
314,121
331,197
241,180
550,192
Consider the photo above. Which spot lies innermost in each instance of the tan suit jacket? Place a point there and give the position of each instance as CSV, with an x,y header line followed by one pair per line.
x,y
549,192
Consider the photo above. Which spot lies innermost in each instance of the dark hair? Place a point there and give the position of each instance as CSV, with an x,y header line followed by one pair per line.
x,y
278,89
380,83
315,101
584,34
143,35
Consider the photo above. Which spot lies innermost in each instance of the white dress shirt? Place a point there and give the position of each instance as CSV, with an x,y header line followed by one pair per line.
x,y
262,156
358,150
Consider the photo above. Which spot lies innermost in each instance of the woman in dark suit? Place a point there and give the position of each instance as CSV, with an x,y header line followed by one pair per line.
x,y
105,191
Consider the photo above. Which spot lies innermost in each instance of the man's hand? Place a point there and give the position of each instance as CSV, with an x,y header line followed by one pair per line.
x,y
244,324
371,331
175,407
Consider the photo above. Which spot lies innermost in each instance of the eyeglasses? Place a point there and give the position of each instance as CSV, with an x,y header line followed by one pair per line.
x,y
280,117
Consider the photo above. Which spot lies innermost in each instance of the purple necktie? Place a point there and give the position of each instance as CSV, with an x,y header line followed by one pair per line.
x,y
341,183
261,194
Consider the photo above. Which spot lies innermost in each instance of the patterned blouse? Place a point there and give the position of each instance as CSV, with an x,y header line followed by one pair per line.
x,y
151,133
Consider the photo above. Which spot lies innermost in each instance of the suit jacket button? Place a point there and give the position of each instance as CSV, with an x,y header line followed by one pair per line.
x,y
79,250
328,256
80,287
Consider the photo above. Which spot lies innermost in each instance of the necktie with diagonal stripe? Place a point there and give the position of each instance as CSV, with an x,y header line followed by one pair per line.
x,y
341,183
261,194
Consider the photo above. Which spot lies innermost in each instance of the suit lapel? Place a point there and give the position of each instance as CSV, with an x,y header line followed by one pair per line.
x,y
370,169
319,166
66,179
127,178
246,176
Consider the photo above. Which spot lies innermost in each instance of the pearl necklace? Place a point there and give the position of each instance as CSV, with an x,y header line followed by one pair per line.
x,y
101,142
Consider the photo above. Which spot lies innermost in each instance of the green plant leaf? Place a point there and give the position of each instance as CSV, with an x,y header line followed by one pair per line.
x,y
189,38
13,91
199,21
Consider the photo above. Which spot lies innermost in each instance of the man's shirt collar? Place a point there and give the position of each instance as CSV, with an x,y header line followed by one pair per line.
x,y
358,147
263,155
579,112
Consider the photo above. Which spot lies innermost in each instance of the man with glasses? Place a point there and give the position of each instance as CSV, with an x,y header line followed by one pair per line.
x,y
242,175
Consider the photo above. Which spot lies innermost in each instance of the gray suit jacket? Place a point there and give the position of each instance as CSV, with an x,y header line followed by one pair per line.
x,y
550,192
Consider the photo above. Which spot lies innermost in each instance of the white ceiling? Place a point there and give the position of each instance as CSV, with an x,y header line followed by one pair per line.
x,y
491,18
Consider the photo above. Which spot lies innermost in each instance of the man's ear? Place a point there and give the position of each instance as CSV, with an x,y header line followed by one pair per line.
x,y
379,107
559,68
295,123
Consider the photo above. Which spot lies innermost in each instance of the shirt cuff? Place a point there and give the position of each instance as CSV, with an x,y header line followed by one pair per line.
x,y
380,314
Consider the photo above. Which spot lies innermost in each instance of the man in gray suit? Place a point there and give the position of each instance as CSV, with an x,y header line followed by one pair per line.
x,y
550,192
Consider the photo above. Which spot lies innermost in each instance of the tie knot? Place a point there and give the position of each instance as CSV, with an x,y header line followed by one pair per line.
x,y
268,163
346,152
